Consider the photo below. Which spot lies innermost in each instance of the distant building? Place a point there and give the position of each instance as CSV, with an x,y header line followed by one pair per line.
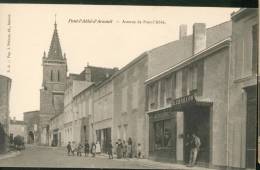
x,y
53,86
5,87
17,127
31,120
78,109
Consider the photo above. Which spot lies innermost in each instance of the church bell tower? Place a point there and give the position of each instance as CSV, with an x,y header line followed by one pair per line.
x,y
54,78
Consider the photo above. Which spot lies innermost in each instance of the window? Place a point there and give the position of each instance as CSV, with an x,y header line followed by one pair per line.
x,y
255,48
192,79
125,133
118,132
51,75
154,95
162,92
168,89
58,75
163,134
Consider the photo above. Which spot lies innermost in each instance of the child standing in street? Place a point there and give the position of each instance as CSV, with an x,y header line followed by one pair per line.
x,y
139,151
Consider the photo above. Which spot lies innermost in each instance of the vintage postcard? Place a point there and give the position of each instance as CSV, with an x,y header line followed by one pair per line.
x,y
137,87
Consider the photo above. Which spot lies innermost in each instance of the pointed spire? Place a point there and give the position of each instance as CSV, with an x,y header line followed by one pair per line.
x,y
55,48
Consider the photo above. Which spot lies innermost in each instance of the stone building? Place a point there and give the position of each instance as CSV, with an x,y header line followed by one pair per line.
x,y
53,86
190,96
84,122
244,68
5,87
129,103
74,84
17,127
31,119
103,113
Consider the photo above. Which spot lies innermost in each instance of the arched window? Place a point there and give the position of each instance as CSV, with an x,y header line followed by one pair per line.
x,y
51,75
58,75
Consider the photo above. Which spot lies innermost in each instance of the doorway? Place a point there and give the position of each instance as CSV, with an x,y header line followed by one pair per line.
x,y
197,120
251,127
30,138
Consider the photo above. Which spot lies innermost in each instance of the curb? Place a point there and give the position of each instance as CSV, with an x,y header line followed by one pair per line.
x,y
10,155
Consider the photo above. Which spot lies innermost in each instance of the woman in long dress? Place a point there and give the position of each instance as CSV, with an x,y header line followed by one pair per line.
x,y
98,149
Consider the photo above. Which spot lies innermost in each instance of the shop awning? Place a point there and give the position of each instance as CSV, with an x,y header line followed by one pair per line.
x,y
187,102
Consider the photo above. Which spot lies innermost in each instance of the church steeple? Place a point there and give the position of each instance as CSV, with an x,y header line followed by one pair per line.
x,y
55,48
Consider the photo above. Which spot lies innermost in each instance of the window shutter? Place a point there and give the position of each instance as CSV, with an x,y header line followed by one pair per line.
x,y
162,94
184,81
200,76
147,97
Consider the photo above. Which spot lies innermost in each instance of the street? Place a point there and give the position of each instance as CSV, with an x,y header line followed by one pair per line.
x,y
37,156
40,156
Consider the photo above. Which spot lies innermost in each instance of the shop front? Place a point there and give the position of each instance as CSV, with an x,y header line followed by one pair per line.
x,y
169,138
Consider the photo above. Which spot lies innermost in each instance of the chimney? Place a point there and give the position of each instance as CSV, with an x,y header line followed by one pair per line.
x,y
199,37
88,73
182,31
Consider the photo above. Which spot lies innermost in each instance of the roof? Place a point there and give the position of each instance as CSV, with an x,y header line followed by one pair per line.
x,y
242,12
168,55
191,59
17,122
55,48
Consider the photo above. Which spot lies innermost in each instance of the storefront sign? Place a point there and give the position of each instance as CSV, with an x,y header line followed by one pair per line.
x,y
184,100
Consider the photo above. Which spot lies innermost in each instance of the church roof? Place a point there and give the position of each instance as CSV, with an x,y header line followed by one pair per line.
x,y
55,52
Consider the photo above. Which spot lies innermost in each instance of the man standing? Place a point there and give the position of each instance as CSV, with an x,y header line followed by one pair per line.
x,y
195,146
69,148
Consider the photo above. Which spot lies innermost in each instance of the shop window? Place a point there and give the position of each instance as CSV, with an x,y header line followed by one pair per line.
x,y
255,48
163,134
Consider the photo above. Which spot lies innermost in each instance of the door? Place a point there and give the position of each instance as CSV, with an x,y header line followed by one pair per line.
x,y
251,128
196,120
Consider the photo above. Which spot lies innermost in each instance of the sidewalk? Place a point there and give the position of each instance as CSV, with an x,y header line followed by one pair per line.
x,y
157,165
9,154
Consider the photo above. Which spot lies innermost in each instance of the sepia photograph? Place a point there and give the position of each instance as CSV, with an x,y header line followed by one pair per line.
x,y
129,87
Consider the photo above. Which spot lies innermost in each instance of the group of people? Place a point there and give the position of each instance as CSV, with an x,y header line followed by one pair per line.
x,y
73,148
125,150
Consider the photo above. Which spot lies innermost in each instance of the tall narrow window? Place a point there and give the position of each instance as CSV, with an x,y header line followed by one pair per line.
x,y
58,75
255,48
51,75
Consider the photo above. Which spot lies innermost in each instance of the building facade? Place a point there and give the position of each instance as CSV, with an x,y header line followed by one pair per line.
x,y
244,68
129,118
17,127
31,119
103,113
5,87
53,86
190,97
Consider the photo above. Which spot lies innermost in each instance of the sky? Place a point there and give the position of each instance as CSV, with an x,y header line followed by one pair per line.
x,y
26,31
